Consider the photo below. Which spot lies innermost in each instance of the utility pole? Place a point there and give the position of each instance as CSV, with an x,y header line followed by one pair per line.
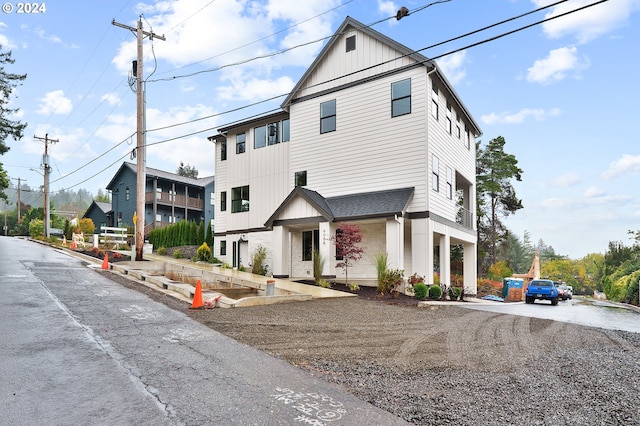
x,y
47,170
18,179
140,125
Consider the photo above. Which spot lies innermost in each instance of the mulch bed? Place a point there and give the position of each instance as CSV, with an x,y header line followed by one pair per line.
x,y
114,256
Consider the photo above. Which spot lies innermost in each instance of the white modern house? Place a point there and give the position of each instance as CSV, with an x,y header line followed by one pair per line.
x,y
372,134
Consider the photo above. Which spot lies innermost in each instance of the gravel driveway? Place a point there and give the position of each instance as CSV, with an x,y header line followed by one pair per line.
x,y
446,364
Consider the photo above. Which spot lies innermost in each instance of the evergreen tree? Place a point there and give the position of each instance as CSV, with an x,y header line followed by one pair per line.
x,y
187,171
496,197
8,128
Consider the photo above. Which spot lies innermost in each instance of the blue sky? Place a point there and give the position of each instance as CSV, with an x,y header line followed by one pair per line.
x,y
563,94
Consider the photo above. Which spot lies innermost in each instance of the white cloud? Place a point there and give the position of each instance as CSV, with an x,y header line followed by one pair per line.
x,y
387,8
566,180
111,98
41,33
594,192
589,23
555,66
194,150
452,66
519,117
55,103
195,32
626,165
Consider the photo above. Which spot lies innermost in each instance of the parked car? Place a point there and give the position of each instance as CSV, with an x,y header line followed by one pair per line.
x,y
543,290
568,291
562,291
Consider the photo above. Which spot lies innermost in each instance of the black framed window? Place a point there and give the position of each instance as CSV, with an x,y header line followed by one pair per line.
x,y
401,98
286,130
273,133
435,173
223,248
328,116
301,178
223,151
223,201
307,245
260,137
351,43
240,199
449,183
241,139
339,254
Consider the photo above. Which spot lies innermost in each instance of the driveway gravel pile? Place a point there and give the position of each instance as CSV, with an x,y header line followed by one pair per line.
x,y
447,364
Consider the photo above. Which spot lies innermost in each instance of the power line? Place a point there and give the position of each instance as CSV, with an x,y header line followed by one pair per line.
x,y
377,65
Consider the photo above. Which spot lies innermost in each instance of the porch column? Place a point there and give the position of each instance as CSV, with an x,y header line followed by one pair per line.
x,y
445,259
280,250
395,242
422,249
470,268
326,246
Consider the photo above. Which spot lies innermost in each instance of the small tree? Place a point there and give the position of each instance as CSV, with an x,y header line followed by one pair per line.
x,y
345,240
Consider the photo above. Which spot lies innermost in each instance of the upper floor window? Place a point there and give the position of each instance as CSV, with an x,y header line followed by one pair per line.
x,y
212,199
449,183
286,130
223,150
328,116
273,133
435,173
449,125
434,108
351,43
301,178
127,193
259,137
240,199
223,201
401,98
241,138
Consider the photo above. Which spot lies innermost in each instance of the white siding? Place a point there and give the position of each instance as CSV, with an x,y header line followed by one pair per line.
x,y
370,150
338,62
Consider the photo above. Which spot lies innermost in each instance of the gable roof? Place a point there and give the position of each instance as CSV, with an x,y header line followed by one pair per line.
x,y
402,49
151,172
368,205
99,205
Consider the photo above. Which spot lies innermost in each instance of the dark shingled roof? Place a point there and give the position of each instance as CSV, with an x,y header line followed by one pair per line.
x,y
367,205
370,204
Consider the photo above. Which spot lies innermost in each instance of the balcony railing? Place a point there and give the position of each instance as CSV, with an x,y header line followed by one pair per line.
x,y
465,218
176,200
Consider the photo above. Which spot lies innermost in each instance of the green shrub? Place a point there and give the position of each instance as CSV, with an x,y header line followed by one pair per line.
x,y
318,265
454,293
420,291
353,286
162,251
36,228
390,281
435,292
226,265
258,266
178,254
204,253
324,283
381,261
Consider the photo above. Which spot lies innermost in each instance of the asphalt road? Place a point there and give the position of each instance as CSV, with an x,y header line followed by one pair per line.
x,y
77,348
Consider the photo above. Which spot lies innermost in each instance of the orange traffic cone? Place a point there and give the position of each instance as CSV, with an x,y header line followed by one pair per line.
x,y
105,262
64,240
73,244
197,297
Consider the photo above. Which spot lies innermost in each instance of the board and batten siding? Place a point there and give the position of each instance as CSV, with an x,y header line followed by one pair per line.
x,y
265,170
370,150
338,62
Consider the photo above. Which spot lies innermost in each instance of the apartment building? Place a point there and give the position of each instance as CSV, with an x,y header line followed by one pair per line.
x,y
372,134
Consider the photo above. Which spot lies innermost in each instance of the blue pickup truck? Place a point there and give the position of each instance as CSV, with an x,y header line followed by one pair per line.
x,y
543,290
